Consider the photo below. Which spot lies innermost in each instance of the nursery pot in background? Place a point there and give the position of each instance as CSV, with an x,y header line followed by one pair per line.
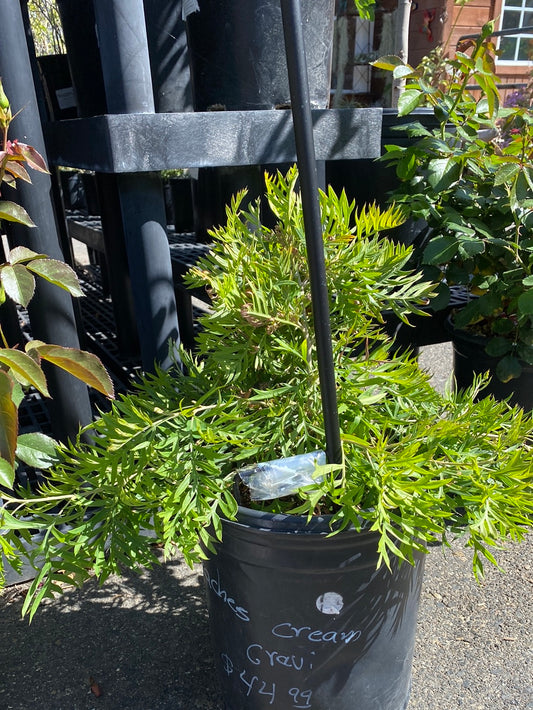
x,y
237,54
300,619
237,60
470,359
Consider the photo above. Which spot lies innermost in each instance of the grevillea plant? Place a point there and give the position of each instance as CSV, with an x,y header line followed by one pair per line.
x,y
417,465
20,363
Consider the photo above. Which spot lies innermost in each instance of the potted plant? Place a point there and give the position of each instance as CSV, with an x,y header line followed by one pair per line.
x,y
470,178
313,591
21,363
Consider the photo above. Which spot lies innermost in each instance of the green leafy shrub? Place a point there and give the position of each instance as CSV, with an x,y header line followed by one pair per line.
x,y
20,367
164,459
471,179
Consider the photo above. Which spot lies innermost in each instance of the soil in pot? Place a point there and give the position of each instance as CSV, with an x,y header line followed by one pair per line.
x,y
303,620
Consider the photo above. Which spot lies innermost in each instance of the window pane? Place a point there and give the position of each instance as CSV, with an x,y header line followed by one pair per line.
x,y
525,49
507,49
529,3
510,19
528,19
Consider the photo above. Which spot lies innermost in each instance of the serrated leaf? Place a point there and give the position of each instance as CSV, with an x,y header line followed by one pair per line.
x,y
82,365
24,369
442,173
34,159
12,212
408,101
18,283
8,420
19,254
37,450
505,173
58,273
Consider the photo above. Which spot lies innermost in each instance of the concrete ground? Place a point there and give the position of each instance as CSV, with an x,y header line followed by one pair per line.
x,y
142,643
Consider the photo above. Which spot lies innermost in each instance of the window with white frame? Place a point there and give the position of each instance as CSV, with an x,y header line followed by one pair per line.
x,y
516,48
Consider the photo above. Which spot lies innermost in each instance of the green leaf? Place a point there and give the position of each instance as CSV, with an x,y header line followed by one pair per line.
x,y
440,249
82,365
489,303
496,347
24,369
408,101
7,474
388,62
508,368
12,212
525,353
8,420
525,302
505,173
443,172
19,254
471,246
37,450
58,273
18,283
402,71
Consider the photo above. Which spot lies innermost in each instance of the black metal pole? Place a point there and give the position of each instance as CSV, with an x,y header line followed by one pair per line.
x,y
51,311
305,152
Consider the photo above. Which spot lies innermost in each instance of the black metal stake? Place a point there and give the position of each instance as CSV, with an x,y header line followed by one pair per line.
x,y
305,152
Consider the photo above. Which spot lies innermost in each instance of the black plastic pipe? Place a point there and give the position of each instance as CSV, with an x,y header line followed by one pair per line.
x,y
305,152
51,311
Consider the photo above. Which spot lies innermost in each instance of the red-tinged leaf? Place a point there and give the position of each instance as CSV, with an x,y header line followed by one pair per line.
x,y
19,254
9,180
8,424
24,369
12,212
83,365
18,283
58,273
17,169
34,159
95,688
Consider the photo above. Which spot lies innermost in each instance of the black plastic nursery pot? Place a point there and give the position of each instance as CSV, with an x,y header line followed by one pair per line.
x,y
237,61
470,359
301,619
237,53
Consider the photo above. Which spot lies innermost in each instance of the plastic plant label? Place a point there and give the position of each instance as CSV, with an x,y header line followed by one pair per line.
x,y
282,477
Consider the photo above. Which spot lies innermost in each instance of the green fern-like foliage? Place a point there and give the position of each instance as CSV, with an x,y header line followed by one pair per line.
x,y
416,464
